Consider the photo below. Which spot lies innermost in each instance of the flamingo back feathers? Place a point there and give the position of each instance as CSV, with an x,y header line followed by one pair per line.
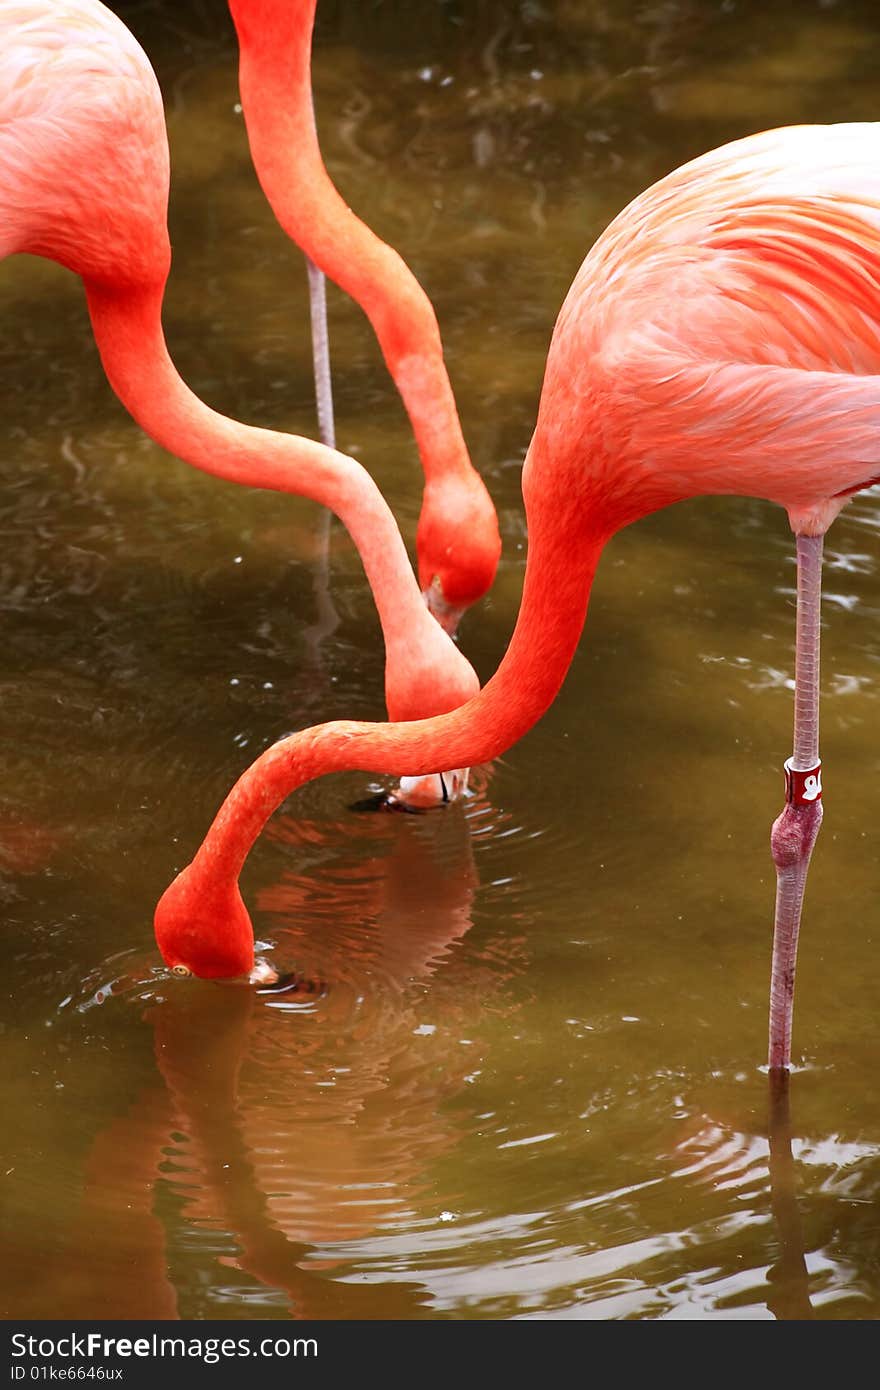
x,y
723,335
83,150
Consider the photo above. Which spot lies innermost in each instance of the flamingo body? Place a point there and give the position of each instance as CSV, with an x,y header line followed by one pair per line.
x,y
723,335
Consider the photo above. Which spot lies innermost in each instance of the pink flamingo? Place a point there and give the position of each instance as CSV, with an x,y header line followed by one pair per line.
x,y
84,181
457,540
722,336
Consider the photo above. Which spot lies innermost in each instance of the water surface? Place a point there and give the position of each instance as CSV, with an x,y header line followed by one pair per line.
x,y
528,1080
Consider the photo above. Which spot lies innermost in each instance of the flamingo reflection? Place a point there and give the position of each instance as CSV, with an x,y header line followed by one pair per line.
x,y
313,1116
788,1294
755,1161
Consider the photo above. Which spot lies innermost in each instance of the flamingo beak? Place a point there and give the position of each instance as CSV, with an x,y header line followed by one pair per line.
x,y
291,982
432,789
262,974
267,980
447,614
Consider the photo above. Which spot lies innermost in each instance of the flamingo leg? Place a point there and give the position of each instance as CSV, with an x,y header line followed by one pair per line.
x,y
795,830
321,353
327,618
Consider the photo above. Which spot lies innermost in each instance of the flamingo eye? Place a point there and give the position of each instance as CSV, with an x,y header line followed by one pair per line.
x,y
183,971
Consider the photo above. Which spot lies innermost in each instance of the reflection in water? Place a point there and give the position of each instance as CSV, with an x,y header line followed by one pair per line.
x,y
750,1164
287,1125
789,1295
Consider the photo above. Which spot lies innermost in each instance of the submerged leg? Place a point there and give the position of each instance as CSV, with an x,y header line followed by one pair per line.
x,y
794,832
788,1283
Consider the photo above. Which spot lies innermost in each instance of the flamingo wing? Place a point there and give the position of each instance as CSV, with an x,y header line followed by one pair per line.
x,y
723,336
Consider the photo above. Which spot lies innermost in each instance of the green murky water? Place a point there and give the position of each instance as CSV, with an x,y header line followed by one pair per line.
x,y
533,1086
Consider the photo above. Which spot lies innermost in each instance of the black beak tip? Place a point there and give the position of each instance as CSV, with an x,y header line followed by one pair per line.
x,y
379,801
384,801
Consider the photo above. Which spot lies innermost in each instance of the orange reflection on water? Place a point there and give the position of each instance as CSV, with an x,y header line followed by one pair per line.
x,y
293,1120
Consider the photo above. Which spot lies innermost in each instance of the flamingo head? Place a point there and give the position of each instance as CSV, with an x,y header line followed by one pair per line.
x,y
458,545
203,928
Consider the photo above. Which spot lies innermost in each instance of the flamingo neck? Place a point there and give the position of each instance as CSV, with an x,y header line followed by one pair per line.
x,y
555,597
128,330
276,95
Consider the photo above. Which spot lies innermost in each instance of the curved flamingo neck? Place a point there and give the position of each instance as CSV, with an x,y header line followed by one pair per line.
x,y
128,330
555,597
276,96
